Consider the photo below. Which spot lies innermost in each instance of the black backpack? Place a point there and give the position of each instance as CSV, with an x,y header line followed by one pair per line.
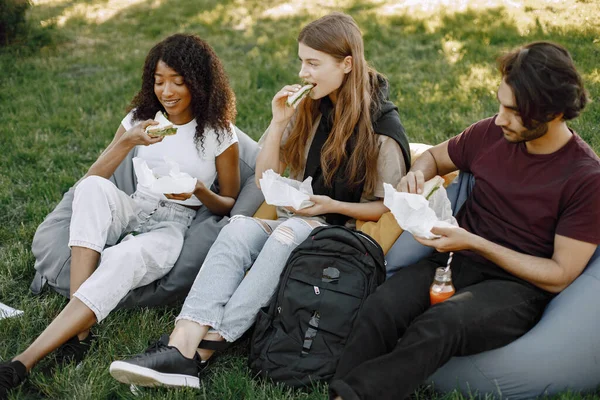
x,y
299,337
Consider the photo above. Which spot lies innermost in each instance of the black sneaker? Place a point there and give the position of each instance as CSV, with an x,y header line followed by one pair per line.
x,y
12,374
74,350
160,365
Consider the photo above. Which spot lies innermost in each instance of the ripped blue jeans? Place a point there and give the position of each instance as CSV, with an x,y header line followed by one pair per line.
x,y
223,296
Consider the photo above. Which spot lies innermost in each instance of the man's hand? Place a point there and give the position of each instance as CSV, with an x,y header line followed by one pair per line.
x,y
412,182
323,205
452,239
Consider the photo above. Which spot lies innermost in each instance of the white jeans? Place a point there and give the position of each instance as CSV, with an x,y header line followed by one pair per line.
x,y
139,239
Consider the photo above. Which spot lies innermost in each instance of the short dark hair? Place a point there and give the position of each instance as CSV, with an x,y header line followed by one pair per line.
x,y
544,81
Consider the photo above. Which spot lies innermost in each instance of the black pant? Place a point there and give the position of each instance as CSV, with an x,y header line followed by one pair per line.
x,y
399,339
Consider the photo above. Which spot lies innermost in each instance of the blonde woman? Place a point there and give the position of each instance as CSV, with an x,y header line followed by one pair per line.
x,y
349,138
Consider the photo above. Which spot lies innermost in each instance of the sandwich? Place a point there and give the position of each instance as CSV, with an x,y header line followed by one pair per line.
x,y
164,127
432,185
295,99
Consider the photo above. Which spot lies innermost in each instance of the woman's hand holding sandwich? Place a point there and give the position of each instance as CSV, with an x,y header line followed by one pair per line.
x,y
137,135
121,145
281,111
268,157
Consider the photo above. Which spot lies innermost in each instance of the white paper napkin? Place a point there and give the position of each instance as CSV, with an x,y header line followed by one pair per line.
x,y
417,215
7,312
170,181
285,192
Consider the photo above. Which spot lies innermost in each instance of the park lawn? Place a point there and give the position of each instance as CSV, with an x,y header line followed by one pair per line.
x,y
61,104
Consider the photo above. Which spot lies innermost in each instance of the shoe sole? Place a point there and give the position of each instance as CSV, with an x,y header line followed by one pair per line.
x,y
141,376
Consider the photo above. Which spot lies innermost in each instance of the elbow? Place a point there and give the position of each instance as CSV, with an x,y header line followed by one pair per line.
x,y
225,208
554,289
222,213
558,286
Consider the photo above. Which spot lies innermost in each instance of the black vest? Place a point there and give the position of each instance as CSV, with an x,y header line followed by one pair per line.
x,y
385,122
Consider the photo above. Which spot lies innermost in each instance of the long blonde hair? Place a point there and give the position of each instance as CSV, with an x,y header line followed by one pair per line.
x,y
338,35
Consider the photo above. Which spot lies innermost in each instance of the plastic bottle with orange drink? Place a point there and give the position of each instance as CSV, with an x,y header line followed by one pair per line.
x,y
441,289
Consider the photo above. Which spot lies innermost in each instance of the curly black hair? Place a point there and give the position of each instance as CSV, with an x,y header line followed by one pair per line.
x,y
213,101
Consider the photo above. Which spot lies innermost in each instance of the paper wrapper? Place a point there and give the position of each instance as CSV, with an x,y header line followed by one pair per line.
x,y
171,180
284,192
417,215
7,312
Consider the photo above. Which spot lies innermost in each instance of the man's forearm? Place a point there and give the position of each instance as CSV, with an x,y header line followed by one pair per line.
x,y
426,164
542,272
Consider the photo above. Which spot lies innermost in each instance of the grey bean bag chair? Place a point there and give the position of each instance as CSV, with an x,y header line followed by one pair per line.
x,y
561,352
53,256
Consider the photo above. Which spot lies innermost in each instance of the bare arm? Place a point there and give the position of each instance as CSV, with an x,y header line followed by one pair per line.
x,y
555,274
435,161
120,146
370,211
551,274
228,174
268,157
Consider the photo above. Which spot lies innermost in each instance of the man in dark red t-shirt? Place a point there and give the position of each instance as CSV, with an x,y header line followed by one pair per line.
x,y
527,230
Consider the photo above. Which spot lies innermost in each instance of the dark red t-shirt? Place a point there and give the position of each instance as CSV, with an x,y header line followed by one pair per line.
x,y
521,200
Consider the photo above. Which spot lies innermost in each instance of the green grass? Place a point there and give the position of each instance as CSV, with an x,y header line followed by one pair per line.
x,y
61,104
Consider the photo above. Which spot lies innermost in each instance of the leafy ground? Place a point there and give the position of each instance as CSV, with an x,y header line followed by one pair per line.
x,y
61,104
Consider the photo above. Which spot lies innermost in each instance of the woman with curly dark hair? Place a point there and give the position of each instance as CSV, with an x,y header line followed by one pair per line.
x,y
184,79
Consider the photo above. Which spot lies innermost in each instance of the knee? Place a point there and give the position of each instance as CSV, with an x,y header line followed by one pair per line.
x,y
444,319
90,184
285,235
293,231
241,227
113,257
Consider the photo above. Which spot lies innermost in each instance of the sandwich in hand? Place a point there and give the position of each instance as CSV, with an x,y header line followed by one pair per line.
x,y
432,185
295,99
164,127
